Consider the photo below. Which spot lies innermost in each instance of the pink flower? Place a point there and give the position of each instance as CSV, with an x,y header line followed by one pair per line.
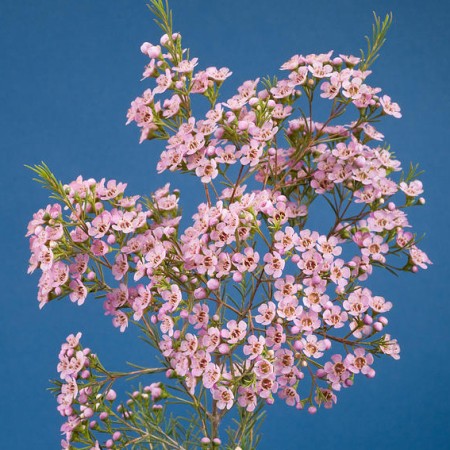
x,y
419,258
224,397
337,371
389,107
120,267
236,331
78,292
246,262
274,264
211,375
413,189
360,362
255,346
110,191
267,313
247,398
290,395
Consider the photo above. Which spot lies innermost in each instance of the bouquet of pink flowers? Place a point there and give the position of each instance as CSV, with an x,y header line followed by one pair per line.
x,y
262,298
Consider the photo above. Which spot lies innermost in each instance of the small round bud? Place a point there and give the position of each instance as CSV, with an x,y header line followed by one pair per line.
x,y
237,277
224,349
383,320
368,319
213,284
88,412
200,293
295,258
116,436
377,326
312,409
111,395
321,373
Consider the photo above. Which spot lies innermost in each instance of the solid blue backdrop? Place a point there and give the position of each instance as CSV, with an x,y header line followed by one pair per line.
x,y
68,72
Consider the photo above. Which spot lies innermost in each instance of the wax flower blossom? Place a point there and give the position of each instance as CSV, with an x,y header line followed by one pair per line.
x,y
248,304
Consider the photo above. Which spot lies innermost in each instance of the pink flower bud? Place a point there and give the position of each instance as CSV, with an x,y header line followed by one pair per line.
x,y
109,443
103,415
154,51
145,47
205,440
243,125
213,284
321,373
383,320
272,152
391,206
360,161
184,314
111,395
216,317
88,412
368,319
414,269
224,349
91,276
200,293
377,326
85,374
295,259
217,441
116,436
176,334
219,133
111,239
164,40
237,277
253,101
312,409
92,424
295,330
298,345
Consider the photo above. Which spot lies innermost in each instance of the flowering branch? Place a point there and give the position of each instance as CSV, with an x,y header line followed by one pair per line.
x,y
250,303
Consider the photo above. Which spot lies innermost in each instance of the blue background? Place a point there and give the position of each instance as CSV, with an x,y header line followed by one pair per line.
x,y
68,72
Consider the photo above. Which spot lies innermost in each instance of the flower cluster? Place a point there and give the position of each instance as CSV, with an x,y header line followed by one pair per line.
x,y
250,302
86,399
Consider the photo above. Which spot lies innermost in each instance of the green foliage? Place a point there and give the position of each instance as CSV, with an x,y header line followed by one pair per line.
x,y
374,44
